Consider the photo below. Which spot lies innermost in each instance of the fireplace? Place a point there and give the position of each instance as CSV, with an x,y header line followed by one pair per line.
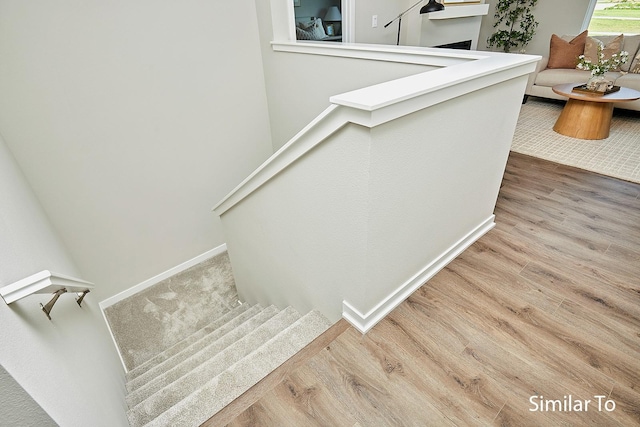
x,y
455,27
464,45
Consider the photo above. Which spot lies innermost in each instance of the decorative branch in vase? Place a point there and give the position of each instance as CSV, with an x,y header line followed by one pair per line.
x,y
521,25
601,66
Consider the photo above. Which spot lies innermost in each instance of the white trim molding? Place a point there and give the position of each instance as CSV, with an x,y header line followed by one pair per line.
x,y
460,73
364,322
405,54
348,21
44,282
589,14
463,11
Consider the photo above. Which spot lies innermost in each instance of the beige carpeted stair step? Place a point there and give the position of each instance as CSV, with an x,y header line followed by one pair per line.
x,y
187,361
213,395
180,388
200,350
181,345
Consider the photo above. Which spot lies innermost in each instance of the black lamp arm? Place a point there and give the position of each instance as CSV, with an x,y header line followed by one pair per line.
x,y
402,14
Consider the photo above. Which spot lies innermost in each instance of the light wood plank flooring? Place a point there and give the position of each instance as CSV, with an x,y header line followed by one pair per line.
x,y
546,304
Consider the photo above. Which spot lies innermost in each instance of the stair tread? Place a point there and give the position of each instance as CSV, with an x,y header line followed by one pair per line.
x,y
207,343
180,345
215,394
172,370
180,388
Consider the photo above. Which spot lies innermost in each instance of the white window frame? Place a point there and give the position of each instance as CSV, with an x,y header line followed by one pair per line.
x,y
587,18
283,19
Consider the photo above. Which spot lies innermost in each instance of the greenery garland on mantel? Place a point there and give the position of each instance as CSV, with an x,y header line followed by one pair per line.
x,y
521,25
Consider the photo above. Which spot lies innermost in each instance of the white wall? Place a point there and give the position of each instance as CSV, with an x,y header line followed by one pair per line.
x,y
299,85
362,213
416,29
386,11
320,266
559,17
433,178
18,408
68,365
129,120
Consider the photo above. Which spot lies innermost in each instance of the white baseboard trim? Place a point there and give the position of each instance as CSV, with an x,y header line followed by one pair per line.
x,y
162,276
364,322
113,338
150,282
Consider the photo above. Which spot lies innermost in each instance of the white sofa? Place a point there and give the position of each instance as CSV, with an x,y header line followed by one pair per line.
x,y
543,79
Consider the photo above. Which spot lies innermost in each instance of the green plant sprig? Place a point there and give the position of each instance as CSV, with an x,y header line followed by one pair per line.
x,y
602,65
521,25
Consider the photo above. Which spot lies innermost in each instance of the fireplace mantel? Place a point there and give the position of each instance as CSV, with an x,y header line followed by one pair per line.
x,y
452,25
462,11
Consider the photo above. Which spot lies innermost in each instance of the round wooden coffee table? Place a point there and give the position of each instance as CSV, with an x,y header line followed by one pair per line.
x,y
588,116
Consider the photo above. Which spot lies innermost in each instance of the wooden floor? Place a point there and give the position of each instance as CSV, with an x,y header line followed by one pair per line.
x,y
546,304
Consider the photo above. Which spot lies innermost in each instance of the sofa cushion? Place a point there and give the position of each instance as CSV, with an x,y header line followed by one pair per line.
x,y
314,27
629,80
552,77
563,54
634,67
632,46
609,49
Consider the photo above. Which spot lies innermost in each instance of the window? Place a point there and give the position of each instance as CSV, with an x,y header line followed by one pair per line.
x,y
318,20
615,17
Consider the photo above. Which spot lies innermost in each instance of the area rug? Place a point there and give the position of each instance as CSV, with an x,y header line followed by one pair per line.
x,y
617,156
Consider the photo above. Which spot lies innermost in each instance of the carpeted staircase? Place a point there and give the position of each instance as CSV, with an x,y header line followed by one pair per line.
x,y
189,381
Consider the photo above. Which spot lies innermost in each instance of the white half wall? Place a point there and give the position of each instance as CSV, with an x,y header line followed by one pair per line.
x,y
68,365
128,119
369,208
299,85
